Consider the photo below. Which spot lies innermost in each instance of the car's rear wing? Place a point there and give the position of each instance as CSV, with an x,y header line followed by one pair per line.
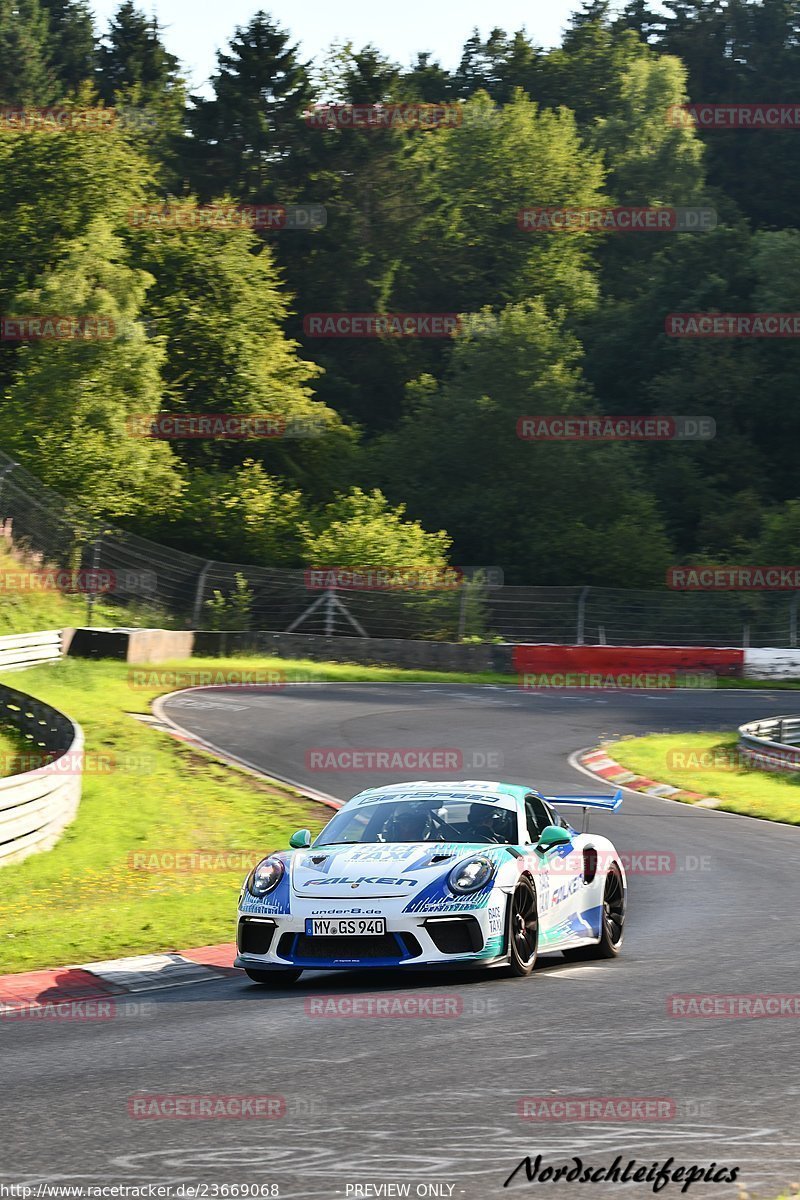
x,y
589,801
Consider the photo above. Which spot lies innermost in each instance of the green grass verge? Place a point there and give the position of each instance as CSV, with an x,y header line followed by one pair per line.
x,y
13,747
24,610
708,763
84,900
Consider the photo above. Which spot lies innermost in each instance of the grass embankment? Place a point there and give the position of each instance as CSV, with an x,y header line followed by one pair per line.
x,y
30,601
145,792
709,763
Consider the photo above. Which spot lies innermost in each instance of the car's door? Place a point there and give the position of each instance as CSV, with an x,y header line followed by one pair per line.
x,y
537,817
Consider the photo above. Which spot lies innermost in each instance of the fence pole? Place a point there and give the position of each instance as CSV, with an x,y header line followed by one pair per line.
x,y
581,616
92,581
198,596
462,614
330,609
8,467
746,636
793,620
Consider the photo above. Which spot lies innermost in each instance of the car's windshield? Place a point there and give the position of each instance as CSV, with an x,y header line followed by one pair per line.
x,y
435,820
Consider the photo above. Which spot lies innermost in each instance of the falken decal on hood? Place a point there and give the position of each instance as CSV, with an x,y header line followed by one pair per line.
x,y
372,871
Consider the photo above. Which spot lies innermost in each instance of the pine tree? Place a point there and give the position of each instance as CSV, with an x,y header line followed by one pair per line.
x,y
26,74
133,57
71,41
247,134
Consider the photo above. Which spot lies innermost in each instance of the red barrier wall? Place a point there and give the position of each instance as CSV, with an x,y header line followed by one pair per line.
x,y
544,659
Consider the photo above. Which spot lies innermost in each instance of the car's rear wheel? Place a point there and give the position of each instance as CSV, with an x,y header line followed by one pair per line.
x,y
523,928
612,928
274,978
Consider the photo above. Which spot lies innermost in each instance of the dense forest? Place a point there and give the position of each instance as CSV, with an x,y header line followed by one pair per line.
x,y
416,457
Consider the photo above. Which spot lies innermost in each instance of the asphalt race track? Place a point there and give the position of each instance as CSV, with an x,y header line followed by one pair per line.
x,y
423,1102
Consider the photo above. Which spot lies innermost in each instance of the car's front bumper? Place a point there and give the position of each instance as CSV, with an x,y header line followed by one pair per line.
x,y
441,940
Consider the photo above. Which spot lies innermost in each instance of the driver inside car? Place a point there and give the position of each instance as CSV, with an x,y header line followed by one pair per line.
x,y
487,824
409,824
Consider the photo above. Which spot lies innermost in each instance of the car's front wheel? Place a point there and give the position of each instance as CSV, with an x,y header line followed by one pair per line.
x,y
274,978
612,922
523,928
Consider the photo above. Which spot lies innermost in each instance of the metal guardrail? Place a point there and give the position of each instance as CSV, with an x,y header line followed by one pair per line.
x,y
36,806
21,650
772,743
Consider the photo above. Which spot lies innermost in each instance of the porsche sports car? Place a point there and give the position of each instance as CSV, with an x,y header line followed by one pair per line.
x,y
428,874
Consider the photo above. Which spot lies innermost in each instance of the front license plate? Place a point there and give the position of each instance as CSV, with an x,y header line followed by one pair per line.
x,y
345,926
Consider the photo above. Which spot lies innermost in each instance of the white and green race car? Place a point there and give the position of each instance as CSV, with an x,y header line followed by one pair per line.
x,y
433,875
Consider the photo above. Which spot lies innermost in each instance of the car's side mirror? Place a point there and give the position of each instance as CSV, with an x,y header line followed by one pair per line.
x,y
551,836
300,840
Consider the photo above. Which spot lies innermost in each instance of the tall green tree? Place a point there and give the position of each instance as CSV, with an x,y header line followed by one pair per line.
x,y
27,76
249,136
65,413
71,42
132,56
142,79
220,303
549,513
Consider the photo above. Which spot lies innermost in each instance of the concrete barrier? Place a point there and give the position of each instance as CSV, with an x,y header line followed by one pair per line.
x,y
548,659
380,652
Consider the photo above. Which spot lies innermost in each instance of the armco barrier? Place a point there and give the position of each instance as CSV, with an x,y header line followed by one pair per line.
x,y
18,650
772,743
617,660
35,807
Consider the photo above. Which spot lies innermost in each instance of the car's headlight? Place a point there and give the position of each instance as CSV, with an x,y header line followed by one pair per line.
x,y
470,875
266,877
